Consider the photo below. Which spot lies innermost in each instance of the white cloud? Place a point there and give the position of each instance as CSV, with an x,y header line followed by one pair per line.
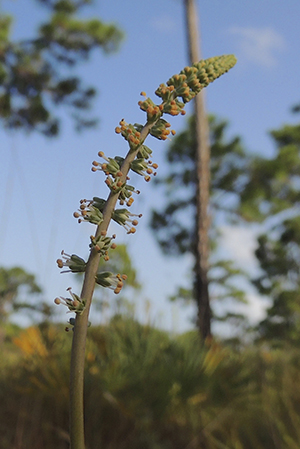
x,y
259,45
239,244
256,307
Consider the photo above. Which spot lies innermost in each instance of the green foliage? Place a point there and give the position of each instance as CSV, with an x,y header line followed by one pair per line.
x,y
36,381
33,72
274,183
150,390
13,281
272,196
279,257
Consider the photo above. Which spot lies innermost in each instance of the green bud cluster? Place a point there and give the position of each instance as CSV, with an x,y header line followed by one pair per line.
x,y
74,304
112,166
72,322
161,129
212,68
113,171
188,83
115,185
153,111
125,218
131,133
123,189
191,80
99,203
102,244
74,263
125,195
110,280
144,168
144,152
89,211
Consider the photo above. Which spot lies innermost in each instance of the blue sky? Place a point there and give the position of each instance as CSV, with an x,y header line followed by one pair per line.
x,y
44,180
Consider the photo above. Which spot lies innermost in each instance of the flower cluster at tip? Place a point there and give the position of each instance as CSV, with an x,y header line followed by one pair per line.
x,y
185,85
179,90
191,80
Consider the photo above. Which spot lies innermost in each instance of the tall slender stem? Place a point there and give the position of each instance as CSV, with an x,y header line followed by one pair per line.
x,y
81,321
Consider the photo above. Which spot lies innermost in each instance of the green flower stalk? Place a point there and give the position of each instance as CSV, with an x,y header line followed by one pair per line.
x,y
173,95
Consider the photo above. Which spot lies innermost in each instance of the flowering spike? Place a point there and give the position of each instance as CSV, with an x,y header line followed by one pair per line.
x,y
178,90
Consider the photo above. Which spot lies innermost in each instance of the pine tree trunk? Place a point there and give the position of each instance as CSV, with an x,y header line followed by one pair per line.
x,y
203,181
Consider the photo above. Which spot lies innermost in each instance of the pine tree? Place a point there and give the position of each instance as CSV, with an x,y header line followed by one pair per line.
x,y
33,72
175,225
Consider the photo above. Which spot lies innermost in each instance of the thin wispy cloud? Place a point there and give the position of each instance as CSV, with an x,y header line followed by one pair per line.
x,y
259,45
164,24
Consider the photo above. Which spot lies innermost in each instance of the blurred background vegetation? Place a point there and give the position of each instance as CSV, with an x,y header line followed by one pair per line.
x,y
145,388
